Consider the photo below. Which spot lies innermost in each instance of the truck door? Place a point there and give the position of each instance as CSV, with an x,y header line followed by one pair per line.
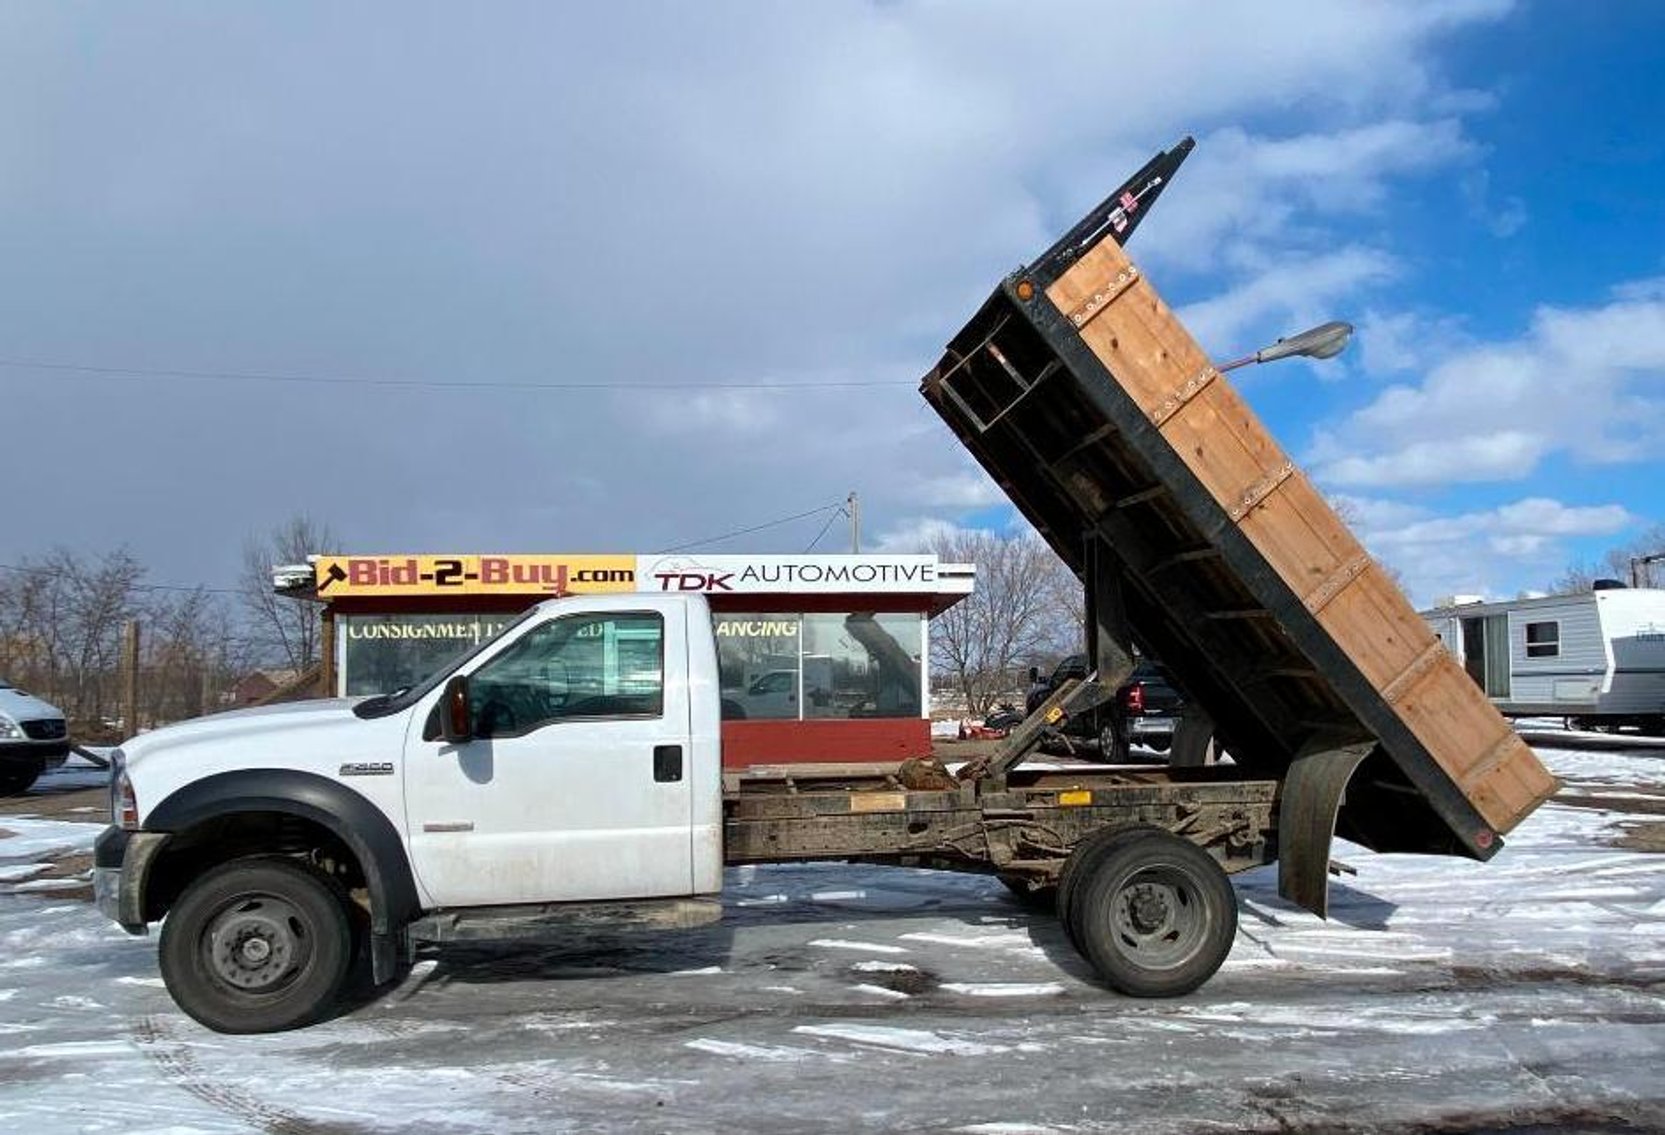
x,y
574,785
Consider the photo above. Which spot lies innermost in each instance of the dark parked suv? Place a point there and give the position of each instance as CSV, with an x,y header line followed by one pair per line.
x,y
1144,711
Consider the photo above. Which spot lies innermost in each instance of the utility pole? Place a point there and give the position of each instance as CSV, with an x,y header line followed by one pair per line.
x,y
1641,573
852,505
130,678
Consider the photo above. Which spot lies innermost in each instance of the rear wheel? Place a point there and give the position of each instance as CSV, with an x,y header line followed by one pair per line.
x,y
17,776
1083,861
1155,915
1112,740
257,946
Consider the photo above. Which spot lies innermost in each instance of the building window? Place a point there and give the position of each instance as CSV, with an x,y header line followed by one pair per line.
x,y
383,653
1543,640
757,660
862,665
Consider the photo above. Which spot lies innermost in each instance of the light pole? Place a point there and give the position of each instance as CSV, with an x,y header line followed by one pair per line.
x,y
1325,341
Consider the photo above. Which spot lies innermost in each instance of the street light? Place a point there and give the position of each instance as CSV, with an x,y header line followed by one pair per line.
x,y
1325,341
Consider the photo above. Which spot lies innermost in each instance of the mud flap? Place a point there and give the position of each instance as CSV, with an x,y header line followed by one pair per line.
x,y
1312,795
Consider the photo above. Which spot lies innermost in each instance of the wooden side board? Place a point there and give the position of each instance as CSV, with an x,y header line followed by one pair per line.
x,y
1133,333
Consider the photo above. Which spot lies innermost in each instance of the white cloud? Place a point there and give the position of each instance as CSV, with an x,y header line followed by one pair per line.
x,y
969,489
1502,217
1291,291
915,534
1498,456
1494,551
1250,188
1392,343
706,413
1586,382
719,190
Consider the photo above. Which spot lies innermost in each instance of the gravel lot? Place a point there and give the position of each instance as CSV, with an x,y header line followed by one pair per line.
x,y
1527,994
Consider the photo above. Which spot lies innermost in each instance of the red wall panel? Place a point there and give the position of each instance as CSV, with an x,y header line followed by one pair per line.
x,y
840,741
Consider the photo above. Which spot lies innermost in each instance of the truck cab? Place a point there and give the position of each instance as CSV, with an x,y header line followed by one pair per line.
x,y
574,757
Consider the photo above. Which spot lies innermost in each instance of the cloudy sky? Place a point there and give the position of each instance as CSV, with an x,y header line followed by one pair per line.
x,y
542,277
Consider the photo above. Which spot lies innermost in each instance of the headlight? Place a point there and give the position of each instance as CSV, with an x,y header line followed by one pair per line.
x,y
124,805
10,730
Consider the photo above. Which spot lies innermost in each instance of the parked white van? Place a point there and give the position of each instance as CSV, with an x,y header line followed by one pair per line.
x,y
33,738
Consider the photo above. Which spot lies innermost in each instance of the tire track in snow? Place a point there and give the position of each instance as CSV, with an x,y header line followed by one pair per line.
x,y
156,1038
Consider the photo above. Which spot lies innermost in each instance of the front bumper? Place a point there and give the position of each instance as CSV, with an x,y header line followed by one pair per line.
x,y
121,862
54,753
1151,726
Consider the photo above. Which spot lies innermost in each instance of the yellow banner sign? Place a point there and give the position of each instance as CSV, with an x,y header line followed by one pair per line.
x,y
358,576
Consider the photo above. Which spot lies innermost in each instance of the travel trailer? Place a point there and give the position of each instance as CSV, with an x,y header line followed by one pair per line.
x,y
1596,658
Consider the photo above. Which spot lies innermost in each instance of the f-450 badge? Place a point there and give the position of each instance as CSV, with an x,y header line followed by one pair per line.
x,y
367,768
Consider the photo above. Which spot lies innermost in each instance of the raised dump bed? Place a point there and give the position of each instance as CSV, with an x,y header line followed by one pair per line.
x,y
1106,423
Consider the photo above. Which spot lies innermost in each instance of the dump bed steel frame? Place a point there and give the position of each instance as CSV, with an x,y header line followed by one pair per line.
x,y
1087,401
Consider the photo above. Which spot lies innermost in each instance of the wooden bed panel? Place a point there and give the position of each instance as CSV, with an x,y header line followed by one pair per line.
x,y
1218,436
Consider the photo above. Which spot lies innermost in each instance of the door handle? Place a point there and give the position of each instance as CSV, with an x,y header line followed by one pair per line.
x,y
667,763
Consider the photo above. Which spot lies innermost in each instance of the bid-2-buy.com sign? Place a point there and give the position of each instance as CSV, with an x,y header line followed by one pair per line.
x,y
472,575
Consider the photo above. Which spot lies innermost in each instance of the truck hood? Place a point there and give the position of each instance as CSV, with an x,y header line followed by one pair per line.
x,y
19,706
248,731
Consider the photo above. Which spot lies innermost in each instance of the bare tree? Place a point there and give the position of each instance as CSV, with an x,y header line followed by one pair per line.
x,y
61,617
280,630
1626,562
1016,614
191,655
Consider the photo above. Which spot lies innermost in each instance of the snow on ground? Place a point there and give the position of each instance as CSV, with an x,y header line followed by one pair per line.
x,y
1528,992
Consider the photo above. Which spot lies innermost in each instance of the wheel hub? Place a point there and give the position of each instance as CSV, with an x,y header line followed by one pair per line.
x,y
1147,909
255,945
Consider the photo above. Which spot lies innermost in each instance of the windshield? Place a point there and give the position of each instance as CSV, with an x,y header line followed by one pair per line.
x,y
383,704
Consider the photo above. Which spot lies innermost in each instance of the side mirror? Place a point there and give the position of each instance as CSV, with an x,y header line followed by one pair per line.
x,y
456,717
1034,673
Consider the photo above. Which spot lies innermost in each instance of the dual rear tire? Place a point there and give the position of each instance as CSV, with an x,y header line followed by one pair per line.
x,y
1154,914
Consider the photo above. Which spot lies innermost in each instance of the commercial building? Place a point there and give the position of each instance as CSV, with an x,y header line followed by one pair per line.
x,y
824,658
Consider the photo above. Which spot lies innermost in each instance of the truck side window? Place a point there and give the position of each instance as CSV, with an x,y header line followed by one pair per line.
x,y
580,666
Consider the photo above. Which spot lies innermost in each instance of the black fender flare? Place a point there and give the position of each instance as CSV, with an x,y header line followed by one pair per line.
x,y
358,823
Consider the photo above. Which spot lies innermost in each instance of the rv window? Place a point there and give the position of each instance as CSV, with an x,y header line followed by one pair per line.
x,y
1543,640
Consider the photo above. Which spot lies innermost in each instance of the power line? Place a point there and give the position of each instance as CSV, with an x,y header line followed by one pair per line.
x,y
83,370
134,586
753,528
842,511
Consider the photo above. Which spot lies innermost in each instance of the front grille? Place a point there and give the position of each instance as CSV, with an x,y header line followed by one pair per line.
x,y
52,729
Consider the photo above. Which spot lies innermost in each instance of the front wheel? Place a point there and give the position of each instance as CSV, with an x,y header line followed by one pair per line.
x,y
16,778
257,946
1155,915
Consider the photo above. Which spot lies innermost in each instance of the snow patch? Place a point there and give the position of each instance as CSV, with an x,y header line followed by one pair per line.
x,y
847,944
769,1053
76,1048
879,991
33,838
921,1041
10,872
1004,988
884,967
